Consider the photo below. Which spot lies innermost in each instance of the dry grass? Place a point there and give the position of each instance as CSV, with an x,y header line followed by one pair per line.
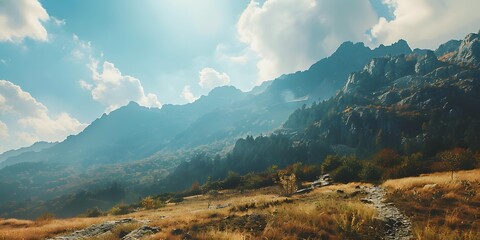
x,y
22,229
439,207
434,178
320,214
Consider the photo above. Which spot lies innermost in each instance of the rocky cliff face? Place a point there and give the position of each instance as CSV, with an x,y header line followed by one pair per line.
x,y
410,101
468,53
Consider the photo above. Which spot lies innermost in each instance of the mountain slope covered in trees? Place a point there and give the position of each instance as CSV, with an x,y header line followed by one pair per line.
x,y
408,101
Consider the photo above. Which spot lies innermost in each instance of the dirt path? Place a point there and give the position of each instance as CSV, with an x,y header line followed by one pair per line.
x,y
397,225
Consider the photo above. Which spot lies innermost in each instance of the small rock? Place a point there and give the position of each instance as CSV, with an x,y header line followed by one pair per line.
x,y
340,191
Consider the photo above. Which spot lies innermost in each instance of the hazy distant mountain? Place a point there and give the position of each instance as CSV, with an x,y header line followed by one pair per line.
x,y
36,147
265,111
134,132
107,150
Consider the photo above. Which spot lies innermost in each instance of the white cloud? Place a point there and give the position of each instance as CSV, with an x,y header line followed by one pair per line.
x,y
114,90
290,35
187,94
85,85
82,48
428,23
29,120
58,22
22,18
3,131
210,78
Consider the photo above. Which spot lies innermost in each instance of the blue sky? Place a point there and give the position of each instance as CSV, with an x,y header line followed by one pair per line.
x,y
64,63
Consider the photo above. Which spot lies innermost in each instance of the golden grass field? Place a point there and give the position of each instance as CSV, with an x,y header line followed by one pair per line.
x,y
258,214
438,207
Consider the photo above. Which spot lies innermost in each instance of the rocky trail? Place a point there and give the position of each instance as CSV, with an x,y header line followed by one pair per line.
x,y
397,226
98,230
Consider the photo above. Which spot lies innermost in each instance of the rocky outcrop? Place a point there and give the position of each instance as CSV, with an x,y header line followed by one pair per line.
x,y
427,63
468,53
379,72
94,230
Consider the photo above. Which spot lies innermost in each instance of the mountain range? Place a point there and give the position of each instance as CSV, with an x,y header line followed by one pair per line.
x,y
358,100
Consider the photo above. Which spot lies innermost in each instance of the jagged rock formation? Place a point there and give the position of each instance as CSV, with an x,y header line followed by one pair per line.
x,y
468,53
411,102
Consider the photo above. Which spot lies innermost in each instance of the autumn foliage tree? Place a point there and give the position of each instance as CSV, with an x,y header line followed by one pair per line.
x,y
457,158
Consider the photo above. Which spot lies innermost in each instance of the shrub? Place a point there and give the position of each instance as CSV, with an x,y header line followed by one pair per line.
x,y
387,158
151,203
331,163
231,181
288,183
120,209
371,173
254,181
46,216
95,212
176,199
349,170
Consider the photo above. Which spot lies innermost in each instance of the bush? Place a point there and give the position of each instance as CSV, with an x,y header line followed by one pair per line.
x,y
120,209
46,216
176,199
151,203
231,181
331,163
386,158
95,212
349,171
371,173
254,181
288,183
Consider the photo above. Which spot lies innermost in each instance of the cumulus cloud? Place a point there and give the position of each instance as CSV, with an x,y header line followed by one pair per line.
x,y
188,95
22,18
114,90
428,23
210,78
3,131
25,120
290,35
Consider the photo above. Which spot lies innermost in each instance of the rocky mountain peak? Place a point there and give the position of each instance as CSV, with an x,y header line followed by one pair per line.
x,y
468,54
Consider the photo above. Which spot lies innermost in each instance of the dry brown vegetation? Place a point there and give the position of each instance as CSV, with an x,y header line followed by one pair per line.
x,y
256,214
440,208
25,229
